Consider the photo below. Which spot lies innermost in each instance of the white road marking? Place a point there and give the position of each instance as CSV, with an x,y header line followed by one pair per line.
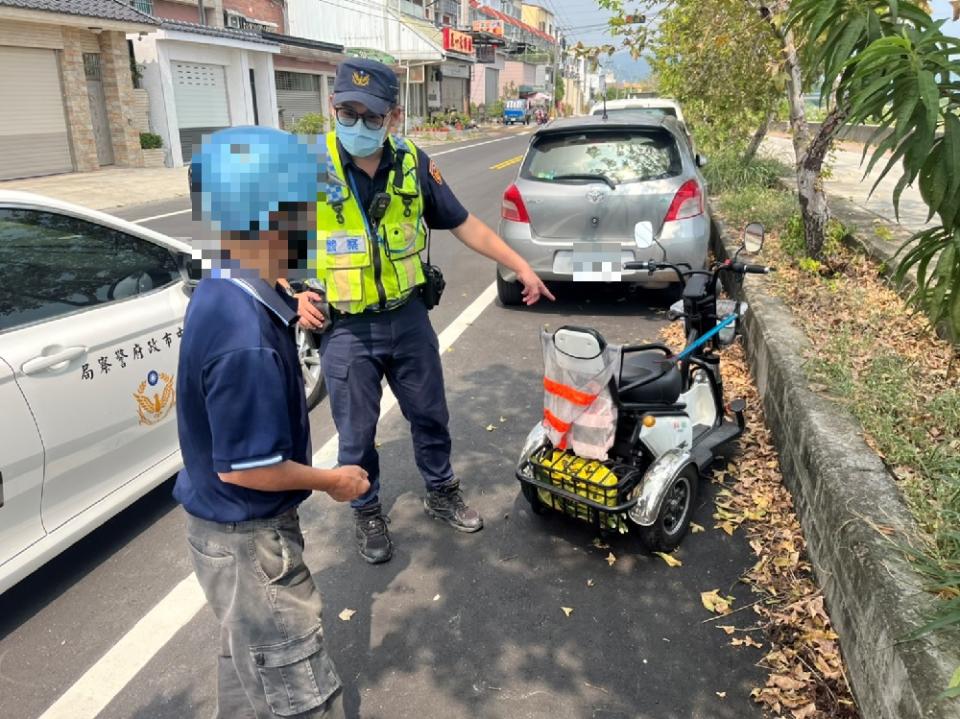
x,y
433,154
160,217
477,144
102,682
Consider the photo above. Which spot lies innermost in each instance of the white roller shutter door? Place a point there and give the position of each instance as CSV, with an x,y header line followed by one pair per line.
x,y
200,94
33,126
297,95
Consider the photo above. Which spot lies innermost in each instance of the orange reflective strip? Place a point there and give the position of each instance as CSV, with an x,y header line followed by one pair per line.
x,y
568,393
555,422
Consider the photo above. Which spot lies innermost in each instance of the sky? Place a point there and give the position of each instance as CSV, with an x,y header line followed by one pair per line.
x,y
582,19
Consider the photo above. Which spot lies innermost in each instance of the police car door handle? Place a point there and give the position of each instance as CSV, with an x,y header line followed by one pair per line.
x,y
45,362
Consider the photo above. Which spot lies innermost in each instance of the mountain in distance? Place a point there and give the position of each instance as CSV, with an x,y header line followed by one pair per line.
x,y
625,68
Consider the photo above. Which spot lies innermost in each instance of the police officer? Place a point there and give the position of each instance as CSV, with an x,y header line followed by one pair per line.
x,y
244,432
382,196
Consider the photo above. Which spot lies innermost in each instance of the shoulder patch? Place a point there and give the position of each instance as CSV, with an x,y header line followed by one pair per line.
x,y
435,173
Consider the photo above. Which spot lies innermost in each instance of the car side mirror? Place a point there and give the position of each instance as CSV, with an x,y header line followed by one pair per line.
x,y
701,160
753,236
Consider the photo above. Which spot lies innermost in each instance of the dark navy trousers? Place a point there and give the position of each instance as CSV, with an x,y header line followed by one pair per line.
x,y
401,345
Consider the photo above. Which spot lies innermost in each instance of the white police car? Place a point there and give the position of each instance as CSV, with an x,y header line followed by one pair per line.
x,y
91,313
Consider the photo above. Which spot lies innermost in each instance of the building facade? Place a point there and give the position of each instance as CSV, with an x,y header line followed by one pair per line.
x,y
67,87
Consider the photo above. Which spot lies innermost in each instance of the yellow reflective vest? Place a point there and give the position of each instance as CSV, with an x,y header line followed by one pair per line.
x,y
362,266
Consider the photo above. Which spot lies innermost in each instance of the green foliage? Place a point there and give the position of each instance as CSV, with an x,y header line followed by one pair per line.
x,y
727,172
150,141
721,62
770,206
894,67
313,123
496,109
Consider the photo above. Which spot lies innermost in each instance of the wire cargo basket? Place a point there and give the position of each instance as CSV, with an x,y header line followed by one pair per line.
x,y
600,483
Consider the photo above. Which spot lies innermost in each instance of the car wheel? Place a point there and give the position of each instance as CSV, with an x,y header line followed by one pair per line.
x,y
309,355
509,293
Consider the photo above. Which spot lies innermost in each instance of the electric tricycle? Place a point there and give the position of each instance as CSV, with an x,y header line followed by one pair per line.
x,y
626,452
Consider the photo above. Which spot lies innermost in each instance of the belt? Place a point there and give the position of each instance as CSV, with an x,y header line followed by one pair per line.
x,y
372,311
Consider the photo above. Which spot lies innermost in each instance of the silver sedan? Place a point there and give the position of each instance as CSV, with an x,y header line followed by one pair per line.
x,y
590,190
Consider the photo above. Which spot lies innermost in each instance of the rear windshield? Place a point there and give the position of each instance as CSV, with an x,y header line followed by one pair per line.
x,y
617,156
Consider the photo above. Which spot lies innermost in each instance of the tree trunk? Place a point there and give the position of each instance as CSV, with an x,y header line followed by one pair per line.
x,y
757,139
813,201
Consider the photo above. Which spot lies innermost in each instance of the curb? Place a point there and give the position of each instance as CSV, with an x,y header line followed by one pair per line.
x,y
842,492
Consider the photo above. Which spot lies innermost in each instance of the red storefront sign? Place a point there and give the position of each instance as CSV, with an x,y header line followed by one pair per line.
x,y
457,41
494,27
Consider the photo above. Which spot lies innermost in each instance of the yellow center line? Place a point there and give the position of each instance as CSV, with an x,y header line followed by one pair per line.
x,y
507,163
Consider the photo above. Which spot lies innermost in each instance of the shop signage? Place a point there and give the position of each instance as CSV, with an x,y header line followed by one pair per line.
x,y
457,41
494,27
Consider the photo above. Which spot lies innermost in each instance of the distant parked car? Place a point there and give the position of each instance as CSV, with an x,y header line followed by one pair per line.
x,y
655,105
589,188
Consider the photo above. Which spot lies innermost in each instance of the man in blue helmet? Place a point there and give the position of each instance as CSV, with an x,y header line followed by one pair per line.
x,y
381,197
244,431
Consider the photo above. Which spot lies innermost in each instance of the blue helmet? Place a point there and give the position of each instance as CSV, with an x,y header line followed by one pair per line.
x,y
242,174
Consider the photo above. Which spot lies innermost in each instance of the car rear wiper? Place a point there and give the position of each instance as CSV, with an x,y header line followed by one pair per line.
x,y
587,176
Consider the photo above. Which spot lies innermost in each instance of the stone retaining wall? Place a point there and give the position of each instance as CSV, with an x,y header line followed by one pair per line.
x,y
842,494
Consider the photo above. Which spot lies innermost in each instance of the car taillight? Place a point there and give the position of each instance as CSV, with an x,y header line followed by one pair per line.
x,y
688,202
513,208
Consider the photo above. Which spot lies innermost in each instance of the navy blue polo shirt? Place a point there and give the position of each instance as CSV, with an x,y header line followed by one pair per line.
x,y
240,398
441,208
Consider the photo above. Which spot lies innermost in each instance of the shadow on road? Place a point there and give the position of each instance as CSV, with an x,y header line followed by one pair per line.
x,y
472,625
35,592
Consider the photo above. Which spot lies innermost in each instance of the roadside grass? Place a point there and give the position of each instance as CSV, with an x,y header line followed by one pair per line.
x,y
885,363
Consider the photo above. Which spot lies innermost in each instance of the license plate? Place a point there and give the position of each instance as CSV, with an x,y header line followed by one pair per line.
x,y
592,262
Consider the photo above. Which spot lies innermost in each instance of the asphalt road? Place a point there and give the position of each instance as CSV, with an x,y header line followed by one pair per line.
x,y
455,625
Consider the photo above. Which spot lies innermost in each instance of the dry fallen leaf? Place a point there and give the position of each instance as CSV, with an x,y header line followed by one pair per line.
x,y
695,528
502,420
722,695
715,603
805,712
436,598
669,559
490,428
347,614
591,583
611,558
727,628
567,610
600,544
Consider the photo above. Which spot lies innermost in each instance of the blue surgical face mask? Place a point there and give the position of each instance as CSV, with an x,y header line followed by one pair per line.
x,y
359,140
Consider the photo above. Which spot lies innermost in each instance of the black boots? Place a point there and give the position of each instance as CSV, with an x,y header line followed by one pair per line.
x,y
447,505
373,538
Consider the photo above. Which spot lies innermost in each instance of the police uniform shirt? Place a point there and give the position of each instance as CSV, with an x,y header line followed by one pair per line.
x,y
441,208
240,399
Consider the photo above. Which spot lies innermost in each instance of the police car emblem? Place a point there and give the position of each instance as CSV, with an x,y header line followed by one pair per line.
x,y
153,409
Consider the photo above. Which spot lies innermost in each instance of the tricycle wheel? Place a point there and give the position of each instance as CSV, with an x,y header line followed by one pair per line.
x,y
676,510
533,499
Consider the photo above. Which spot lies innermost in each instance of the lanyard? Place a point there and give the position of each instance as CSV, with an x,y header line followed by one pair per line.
x,y
374,237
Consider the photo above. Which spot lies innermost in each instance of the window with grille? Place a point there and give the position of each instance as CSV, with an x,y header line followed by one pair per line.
x,y
91,65
297,81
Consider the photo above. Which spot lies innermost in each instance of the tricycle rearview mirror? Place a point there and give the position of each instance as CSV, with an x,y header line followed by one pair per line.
x,y
753,235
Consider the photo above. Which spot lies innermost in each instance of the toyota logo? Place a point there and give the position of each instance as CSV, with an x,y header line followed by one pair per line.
x,y
596,196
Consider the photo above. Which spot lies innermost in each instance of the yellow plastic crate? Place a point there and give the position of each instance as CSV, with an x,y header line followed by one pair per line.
x,y
587,478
